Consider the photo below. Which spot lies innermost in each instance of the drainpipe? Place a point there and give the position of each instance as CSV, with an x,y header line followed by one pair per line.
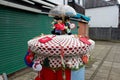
x,y
83,2
64,2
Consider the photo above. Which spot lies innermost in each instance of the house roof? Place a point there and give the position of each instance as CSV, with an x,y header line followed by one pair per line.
x,y
99,3
38,6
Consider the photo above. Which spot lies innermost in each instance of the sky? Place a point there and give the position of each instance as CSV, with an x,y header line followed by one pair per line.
x,y
119,1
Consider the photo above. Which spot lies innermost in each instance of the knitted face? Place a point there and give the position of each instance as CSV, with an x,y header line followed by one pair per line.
x,y
59,21
37,66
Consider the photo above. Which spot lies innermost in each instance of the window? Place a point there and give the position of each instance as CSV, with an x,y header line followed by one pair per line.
x,y
80,2
70,0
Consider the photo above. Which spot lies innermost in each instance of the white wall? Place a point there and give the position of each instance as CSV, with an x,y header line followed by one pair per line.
x,y
66,1
57,1
104,16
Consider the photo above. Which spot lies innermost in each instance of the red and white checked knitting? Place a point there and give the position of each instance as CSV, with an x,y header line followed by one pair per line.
x,y
71,62
51,47
71,45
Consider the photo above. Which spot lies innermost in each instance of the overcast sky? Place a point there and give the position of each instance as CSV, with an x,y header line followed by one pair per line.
x,y
119,1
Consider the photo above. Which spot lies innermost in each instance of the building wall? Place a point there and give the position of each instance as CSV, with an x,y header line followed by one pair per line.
x,y
103,16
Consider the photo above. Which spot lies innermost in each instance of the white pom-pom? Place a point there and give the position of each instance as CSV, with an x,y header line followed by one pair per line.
x,y
69,64
72,26
37,67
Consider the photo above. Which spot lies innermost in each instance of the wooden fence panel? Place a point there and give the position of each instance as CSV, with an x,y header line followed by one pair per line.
x,y
104,33
115,34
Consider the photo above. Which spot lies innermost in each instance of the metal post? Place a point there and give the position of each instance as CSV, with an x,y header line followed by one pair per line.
x,y
110,33
5,76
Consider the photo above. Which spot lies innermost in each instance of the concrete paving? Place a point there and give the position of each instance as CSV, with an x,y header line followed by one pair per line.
x,y
104,64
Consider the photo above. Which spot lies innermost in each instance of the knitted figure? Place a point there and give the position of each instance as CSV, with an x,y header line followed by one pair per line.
x,y
58,26
67,25
59,57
